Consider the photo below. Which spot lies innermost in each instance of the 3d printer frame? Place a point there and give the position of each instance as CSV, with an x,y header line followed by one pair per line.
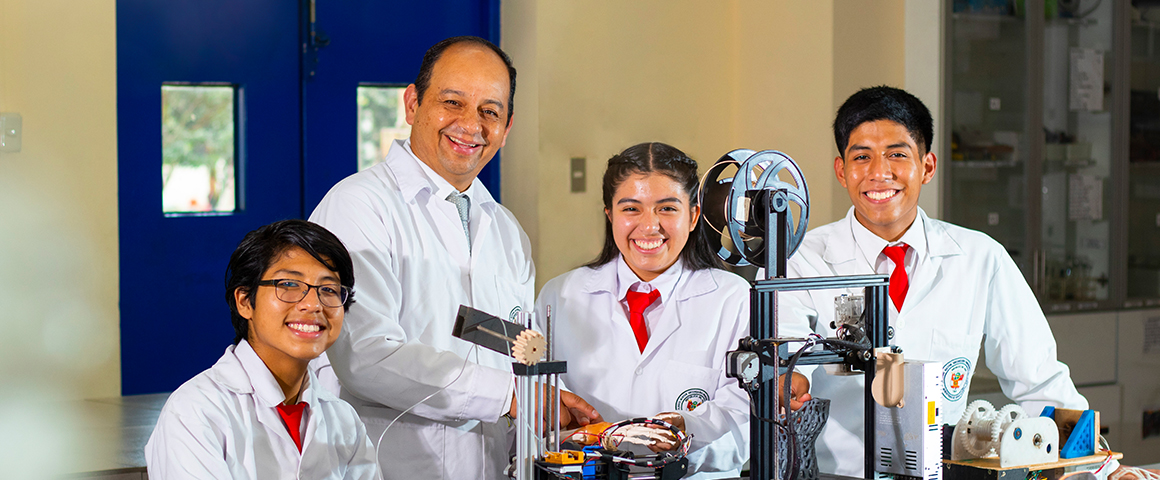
x,y
764,461
769,203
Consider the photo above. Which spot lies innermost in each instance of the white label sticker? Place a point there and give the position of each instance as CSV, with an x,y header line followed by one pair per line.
x,y
1152,335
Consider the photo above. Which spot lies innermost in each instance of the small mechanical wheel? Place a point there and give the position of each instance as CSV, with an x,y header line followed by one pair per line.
x,y
973,431
1004,417
529,347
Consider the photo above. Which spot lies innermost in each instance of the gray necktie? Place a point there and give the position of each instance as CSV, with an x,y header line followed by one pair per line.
x,y
463,204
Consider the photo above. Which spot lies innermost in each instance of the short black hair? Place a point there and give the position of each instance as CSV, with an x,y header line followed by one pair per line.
x,y
435,52
884,103
259,250
666,160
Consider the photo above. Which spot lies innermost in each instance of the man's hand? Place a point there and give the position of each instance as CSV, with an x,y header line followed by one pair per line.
x,y
799,390
574,411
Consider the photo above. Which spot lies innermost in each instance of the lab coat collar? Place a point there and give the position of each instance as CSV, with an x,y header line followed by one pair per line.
x,y
245,373
605,279
871,244
664,283
414,176
938,241
930,238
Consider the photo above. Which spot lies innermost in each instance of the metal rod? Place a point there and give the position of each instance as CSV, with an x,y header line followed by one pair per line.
x,y
496,334
554,380
521,457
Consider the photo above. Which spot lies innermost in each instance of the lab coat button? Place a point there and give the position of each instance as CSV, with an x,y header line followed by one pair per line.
x,y
640,371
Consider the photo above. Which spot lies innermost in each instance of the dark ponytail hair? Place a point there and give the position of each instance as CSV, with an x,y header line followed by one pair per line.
x,y
664,159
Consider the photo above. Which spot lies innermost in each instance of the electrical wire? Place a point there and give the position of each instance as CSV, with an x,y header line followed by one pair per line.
x,y
791,433
653,461
428,397
788,424
1104,446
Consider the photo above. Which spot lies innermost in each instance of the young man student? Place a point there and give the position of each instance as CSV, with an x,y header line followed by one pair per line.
x,y
951,288
260,412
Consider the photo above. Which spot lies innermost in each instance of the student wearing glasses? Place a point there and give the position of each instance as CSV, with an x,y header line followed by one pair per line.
x,y
260,412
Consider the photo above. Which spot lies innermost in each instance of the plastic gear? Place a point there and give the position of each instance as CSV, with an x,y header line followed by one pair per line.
x,y
529,347
1004,417
975,419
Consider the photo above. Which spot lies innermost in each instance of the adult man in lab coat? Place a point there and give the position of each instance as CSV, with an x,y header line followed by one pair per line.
x,y
426,236
960,287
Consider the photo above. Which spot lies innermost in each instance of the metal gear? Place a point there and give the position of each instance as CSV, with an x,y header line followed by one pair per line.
x,y
529,347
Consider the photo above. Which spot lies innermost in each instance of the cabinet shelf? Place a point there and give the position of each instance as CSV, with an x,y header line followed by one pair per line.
x,y
985,163
984,17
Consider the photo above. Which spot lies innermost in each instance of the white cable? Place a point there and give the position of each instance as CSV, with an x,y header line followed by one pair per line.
x,y
428,397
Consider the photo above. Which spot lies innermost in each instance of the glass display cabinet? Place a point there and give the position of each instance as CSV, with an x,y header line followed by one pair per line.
x,y
1038,116
1143,189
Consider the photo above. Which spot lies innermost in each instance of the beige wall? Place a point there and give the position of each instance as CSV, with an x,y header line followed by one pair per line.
x,y
598,76
59,197
595,77
58,225
924,44
868,37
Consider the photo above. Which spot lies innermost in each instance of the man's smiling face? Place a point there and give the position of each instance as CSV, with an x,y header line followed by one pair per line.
x,y
462,119
883,170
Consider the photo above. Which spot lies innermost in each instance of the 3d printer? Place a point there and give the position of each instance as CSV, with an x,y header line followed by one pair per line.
x,y
745,199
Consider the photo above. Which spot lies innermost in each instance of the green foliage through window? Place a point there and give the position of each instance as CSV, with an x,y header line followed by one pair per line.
x,y
381,120
197,142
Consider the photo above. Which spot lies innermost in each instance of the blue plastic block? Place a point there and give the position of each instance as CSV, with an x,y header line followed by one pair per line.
x,y
590,465
1081,441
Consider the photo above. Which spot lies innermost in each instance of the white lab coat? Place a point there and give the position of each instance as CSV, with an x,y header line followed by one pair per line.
x,y
413,271
224,423
707,314
966,291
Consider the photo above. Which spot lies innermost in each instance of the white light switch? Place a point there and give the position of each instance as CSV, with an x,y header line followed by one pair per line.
x,y
995,103
10,132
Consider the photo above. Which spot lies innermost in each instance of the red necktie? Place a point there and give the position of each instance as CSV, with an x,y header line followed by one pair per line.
x,y
292,416
898,281
637,302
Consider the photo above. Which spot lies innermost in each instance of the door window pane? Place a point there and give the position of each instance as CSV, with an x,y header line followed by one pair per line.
x,y
197,144
381,121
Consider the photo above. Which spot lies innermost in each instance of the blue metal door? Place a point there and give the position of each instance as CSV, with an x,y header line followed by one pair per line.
x,y
375,43
295,137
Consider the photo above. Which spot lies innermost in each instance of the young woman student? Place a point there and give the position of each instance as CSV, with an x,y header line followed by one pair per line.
x,y
645,326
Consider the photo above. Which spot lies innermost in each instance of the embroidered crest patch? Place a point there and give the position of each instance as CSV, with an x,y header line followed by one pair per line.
x,y
690,399
955,378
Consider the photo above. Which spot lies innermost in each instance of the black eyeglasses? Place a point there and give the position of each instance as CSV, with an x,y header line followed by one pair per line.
x,y
293,291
